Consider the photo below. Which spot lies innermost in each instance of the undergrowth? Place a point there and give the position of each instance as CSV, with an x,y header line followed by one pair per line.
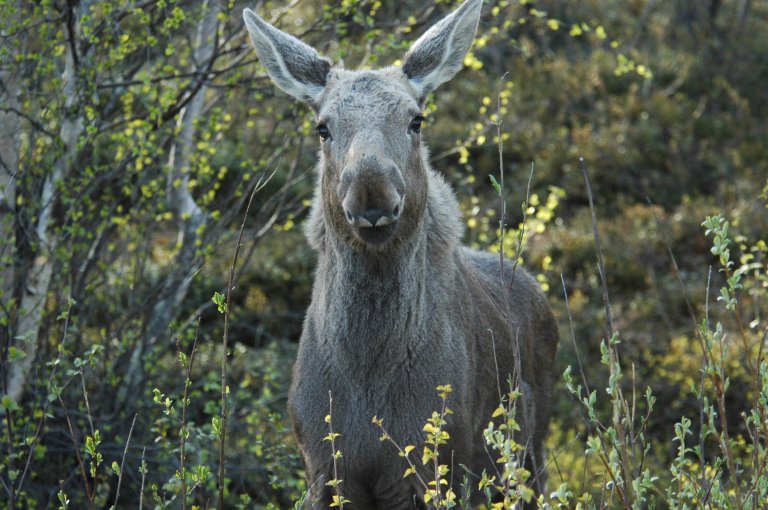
x,y
714,466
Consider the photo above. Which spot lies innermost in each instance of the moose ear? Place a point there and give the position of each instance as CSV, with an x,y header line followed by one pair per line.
x,y
294,66
439,54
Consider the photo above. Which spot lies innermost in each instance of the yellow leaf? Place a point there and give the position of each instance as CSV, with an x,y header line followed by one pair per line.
x,y
600,32
430,429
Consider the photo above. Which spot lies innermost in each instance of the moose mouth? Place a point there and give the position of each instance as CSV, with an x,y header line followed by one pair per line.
x,y
375,225
376,235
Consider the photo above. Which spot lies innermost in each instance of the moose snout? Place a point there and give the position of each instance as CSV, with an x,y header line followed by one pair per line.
x,y
375,217
372,197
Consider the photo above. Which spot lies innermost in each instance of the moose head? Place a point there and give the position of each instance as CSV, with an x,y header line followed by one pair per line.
x,y
373,169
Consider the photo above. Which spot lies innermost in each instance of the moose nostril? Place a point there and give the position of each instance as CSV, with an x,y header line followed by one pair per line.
x,y
349,217
372,216
396,211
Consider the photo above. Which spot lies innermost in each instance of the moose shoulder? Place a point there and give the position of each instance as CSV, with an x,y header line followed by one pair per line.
x,y
398,305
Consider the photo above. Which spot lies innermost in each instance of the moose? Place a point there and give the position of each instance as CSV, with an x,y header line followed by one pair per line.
x,y
398,305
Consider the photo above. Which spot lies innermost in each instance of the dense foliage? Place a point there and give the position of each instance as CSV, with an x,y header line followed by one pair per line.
x,y
143,151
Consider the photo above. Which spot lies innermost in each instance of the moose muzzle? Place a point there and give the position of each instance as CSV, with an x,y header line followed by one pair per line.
x,y
372,194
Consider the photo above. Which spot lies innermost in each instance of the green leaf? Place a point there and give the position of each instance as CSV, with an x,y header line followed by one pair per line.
x,y
15,354
63,500
495,184
7,403
220,301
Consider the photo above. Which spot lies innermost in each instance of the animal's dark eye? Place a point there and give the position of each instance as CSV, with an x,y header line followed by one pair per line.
x,y
415,125
323,131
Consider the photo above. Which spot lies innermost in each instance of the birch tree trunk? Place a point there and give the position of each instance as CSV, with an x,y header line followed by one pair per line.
x,y
37,280
190,215
9,160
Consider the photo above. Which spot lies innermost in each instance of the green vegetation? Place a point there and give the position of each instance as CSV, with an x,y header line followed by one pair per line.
x,y
148,324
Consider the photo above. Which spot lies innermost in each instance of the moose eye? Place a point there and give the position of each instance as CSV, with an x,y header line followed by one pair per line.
x,y
323,131
415,125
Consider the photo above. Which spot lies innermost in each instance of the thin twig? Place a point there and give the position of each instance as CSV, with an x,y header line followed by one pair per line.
x,y
122,462
225,338
619,403
183,426
44,414
9,426
718,379
507,288
521,234
598,248
337,489
573,337
387,437
502,202
142,469
87,404
710,485
675,267
88,491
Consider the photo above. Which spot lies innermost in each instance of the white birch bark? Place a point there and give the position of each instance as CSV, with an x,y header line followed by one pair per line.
x,y
9,161
189,214
38,278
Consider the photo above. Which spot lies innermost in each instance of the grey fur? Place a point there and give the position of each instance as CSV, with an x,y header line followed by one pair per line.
x,y
294,66
399,309
439,54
